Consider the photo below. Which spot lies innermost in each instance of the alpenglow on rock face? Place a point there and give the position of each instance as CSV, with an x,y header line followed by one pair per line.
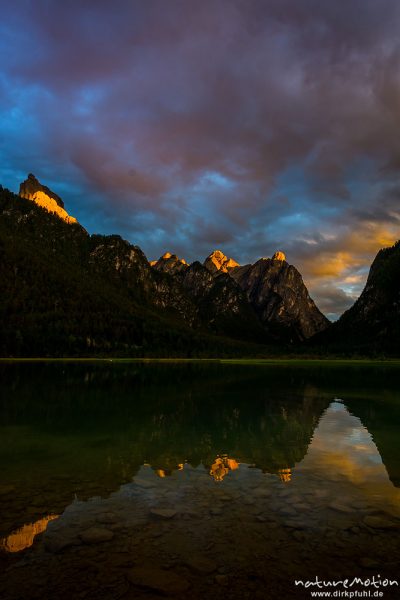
x,y
218,262
279,256
169,263
220,302
102,295
32,189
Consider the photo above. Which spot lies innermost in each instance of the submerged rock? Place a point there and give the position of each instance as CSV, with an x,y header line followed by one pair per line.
x,y
57,543
95,535
200,565
368,563
340,507
380,523
158,580
163,513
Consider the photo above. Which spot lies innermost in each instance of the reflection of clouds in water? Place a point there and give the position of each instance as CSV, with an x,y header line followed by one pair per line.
x,y
342,446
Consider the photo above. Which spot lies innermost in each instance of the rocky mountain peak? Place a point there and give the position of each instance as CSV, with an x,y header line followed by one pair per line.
x,y
32,185
218,262
32,189
169,263
277,292
279,255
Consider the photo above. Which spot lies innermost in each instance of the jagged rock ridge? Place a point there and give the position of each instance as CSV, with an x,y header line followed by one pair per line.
x,y
100,292
220,301
66,293
169,263
277,293
218,262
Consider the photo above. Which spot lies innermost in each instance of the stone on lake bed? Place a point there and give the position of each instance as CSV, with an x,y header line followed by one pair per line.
x,y
221,579
248,501
295,499
344,524
292,524
288,511
301,506
163,513
319,493
107,517
340,507
158,580
6,489
216,511
57,543
368,563
96,535
200,565
262,492
144,483
380,523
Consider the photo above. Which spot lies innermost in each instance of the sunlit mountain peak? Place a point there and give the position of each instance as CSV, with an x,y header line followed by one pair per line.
x,y
217,261
32,189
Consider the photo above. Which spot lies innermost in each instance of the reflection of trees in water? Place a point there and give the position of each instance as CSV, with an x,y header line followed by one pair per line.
x,y
93,426
166,415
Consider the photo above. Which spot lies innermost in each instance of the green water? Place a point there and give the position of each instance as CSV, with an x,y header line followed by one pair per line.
x,y
235,465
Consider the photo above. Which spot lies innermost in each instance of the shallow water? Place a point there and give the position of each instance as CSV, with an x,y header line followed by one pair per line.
x,y
209,480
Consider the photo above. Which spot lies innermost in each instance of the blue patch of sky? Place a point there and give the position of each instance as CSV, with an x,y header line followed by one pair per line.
x,y
294,184
216,179
211,181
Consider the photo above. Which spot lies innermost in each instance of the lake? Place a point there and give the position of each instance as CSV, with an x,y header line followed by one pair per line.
x,y
198,479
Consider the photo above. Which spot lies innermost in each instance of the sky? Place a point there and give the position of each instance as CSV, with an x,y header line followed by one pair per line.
x,y
248,126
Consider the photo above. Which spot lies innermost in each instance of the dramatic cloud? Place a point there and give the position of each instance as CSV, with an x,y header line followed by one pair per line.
x,y
185,126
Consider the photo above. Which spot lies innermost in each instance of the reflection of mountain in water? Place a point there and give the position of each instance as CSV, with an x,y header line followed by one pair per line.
x,y
222,466
24,537
343,449
271,433
382,419
340,453
85,429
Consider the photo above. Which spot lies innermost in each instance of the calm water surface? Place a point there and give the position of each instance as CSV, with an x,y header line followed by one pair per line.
x,y
202,479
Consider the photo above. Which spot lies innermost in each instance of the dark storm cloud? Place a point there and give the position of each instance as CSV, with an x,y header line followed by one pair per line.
x,y
187,125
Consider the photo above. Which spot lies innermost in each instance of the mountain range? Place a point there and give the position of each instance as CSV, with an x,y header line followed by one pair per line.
x,y
67,293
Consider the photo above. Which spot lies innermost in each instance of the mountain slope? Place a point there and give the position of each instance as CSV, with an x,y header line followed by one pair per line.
x,y
278,295
222,305
372,324
66,293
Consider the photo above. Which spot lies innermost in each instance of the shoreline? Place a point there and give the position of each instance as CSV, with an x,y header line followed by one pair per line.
x,y
243,361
